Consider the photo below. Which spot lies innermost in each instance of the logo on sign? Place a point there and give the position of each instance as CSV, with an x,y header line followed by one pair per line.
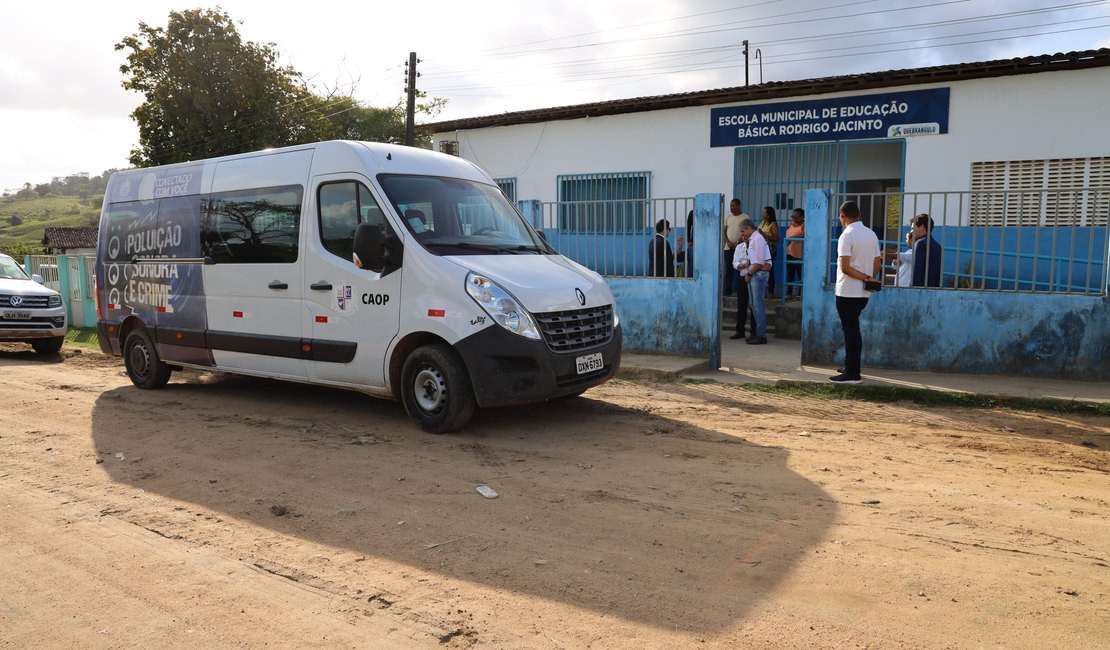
x,y
906,130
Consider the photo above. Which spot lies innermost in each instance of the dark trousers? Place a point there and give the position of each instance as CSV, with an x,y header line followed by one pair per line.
x,y
793,274
731,278
743,304
849,310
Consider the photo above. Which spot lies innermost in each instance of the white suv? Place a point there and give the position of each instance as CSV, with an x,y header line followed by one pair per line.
x,y
29,312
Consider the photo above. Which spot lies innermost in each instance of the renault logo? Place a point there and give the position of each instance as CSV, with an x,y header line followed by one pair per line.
x,y
18,300
577,292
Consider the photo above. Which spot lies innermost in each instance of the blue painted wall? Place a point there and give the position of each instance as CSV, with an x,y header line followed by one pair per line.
x,y
659,315
963,331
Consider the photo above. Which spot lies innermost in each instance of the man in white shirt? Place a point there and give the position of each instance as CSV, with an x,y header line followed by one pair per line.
x,y
730,236
903,261
759,272
860,260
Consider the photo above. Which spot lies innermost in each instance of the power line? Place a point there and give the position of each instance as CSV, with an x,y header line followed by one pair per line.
x,y
673,54
602,76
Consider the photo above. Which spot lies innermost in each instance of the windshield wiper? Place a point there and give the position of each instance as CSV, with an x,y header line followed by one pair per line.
x,y
512,250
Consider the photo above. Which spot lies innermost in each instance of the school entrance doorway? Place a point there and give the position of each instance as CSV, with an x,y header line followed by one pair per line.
x,y
777,176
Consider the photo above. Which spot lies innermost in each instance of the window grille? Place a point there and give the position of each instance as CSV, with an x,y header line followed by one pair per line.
x,y
615,202
508,187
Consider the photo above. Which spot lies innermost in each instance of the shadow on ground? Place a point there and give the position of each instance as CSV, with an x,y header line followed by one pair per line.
x,y
600,506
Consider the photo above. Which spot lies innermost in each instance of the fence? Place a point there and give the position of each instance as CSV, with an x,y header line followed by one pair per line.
x,y
73,276
1047,241
613,237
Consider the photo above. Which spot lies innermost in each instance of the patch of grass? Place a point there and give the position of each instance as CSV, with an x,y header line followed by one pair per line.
x,y
84,337
926,397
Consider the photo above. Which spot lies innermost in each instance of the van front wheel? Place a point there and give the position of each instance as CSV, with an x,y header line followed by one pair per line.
x,y
436,390
144,367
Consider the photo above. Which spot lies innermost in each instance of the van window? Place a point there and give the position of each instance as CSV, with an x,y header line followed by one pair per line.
x,y
259,226
343,206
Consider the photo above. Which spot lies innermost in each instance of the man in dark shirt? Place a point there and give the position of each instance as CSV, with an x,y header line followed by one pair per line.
x,y
660,255
926,254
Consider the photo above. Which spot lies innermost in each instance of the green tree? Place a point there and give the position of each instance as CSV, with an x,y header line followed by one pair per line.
x,y
349,119
207,92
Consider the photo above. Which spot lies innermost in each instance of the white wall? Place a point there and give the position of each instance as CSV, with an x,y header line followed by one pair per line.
x,y
1059,114
672,144
1039,116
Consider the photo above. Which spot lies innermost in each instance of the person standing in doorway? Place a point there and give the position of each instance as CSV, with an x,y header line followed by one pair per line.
x,y
743,311
859,261
769,228
759,268
660,256
731,238
903,261
796,230
926,253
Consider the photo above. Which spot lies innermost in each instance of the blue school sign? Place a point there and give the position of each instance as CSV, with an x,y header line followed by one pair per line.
x,y
884,115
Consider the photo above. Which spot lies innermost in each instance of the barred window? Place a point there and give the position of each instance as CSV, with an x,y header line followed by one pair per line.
x,y
615,202
508,188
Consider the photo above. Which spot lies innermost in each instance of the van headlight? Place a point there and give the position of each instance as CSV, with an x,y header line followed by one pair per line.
x,y
501,306
54,301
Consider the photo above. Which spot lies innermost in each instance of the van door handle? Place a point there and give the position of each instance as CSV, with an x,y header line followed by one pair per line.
x,y
320,286
278,285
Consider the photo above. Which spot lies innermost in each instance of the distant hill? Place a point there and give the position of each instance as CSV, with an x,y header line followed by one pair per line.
x,y
22,221
64,202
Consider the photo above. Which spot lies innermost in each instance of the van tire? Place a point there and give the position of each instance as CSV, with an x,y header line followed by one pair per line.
x,y
436,389
48,346
140,357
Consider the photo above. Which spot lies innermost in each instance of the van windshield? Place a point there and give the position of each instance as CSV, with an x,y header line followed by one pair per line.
x,y
451,216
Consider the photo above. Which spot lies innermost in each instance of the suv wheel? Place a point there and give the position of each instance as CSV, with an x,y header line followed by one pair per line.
x,y
48,346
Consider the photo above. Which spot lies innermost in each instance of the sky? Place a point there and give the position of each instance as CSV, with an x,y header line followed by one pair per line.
x,y
63,109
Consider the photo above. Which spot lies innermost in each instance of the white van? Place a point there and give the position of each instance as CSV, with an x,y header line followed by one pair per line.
x,y
393,271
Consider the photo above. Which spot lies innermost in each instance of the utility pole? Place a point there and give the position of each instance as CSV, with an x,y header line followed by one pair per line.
x,y
745,62
410,112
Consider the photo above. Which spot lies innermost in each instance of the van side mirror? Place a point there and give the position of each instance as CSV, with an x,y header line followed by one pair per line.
x,y
377,248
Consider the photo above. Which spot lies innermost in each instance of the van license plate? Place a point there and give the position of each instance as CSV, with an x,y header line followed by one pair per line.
x,y
590,363
25,315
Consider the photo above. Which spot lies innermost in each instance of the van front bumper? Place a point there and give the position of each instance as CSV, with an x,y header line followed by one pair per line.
x,y
506,369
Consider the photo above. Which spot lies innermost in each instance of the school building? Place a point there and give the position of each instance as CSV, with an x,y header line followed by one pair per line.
x,y
1010,158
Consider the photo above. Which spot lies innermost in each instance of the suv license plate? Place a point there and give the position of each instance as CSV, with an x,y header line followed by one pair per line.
x,y
590,363
25,315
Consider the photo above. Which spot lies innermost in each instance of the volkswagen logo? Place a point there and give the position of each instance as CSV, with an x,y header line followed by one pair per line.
x,y
577,292
18,300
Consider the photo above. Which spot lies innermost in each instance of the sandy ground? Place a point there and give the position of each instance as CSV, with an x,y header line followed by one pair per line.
x,y
225,511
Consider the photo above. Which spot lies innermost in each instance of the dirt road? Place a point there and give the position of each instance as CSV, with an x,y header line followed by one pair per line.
x,y
226,511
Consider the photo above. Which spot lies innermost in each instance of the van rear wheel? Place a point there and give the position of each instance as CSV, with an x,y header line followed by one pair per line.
x,y
144,367
436,389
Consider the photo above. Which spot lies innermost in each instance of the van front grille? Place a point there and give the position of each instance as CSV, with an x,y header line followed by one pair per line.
x,y
578,329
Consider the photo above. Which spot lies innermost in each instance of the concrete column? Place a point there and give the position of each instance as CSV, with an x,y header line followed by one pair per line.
x,y
707,265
